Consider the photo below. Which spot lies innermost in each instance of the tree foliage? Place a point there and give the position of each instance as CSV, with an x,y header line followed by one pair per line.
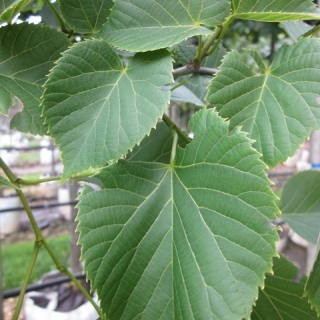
x,y
180,228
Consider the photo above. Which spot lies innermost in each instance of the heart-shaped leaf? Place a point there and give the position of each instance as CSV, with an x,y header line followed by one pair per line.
x,y
181,241
278,107
85,16
97,109
27,54
139,25
280,10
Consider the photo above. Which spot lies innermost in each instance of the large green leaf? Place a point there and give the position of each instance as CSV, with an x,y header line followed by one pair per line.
x,y
188,240
27,53
97,109
10,8
278,107
139,25
281,298
280,10
300,204
85,16
312,288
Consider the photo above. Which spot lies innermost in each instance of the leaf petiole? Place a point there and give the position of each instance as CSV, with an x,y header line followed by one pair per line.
x,y
174,147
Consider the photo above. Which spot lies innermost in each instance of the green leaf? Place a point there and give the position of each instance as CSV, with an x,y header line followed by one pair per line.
x,y
271,11
27,54
278,107
189,240
7,184
296,29
139,25
183,94
85,16
97,109
198,84
156,147
312,288
300,204
281,298
10,8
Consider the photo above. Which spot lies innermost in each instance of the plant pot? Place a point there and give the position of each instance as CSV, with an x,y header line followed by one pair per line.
x,y
9,221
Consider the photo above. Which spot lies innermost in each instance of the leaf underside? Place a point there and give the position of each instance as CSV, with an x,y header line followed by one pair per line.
x,y
97,109
271,11
300,204
27,54
184,241
286,93
138,25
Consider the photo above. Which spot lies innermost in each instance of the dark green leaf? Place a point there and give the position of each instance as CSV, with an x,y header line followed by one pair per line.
x,y
281,298
312,289
97,109
190,240
85,16
27,54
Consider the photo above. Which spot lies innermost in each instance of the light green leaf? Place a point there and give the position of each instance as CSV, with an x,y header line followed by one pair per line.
x,y
27,54
280,10
295,29
278,107
281,298
7,184
85,16
139,25
190,240
312,288
300,204
10,8
156,147
183,94
97,109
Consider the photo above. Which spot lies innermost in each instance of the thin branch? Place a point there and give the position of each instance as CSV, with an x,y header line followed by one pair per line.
x,y
173,126
26,280
191,69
